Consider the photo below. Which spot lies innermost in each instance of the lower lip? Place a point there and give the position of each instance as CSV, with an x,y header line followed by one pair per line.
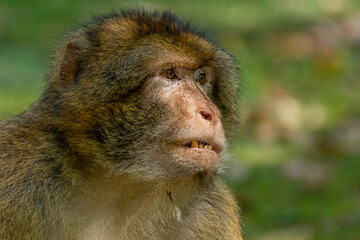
x,y
195,159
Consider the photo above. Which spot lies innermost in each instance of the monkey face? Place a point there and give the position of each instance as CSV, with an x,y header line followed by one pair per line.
x,y
194,139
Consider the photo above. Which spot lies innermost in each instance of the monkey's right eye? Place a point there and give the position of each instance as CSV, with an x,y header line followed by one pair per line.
x,y
170,74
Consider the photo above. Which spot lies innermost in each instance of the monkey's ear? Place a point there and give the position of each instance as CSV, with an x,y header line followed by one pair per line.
x,y
70,64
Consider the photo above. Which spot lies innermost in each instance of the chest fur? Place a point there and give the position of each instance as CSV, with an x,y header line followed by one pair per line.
x,y
144,218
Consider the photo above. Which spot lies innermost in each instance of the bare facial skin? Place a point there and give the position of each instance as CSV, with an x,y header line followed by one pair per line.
x,y
128,138
199,138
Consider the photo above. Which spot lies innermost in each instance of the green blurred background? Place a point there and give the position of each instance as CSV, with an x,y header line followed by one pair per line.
x,y
295,166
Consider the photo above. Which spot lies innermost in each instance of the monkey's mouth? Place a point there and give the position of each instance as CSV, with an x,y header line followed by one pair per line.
x,y
197,155
201,145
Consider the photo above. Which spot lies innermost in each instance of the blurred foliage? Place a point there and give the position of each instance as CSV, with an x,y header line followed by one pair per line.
x,y
295,168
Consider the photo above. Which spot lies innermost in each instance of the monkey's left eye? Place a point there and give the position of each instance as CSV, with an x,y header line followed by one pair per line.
x,y
202,78
170,74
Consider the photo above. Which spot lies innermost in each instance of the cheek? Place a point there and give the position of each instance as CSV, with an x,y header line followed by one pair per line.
x,y
160,90
166,94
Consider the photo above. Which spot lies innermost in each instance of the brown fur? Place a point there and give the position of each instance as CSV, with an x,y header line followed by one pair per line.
x,y
91,159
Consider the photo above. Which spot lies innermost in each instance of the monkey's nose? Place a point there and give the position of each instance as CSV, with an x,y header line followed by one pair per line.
x,y
209,112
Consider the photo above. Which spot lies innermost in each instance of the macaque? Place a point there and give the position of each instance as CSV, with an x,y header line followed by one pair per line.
x,y
128,138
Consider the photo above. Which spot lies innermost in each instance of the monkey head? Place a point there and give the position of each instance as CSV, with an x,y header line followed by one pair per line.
x,y
143,94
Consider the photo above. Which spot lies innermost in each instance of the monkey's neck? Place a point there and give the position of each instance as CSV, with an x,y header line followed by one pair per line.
x,y
125,202
126,191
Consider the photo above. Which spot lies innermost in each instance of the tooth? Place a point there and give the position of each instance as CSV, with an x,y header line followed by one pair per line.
x,y
194,144
210,147
206,147
201,146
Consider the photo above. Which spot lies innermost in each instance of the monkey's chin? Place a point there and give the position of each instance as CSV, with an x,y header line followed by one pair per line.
x,y
195,159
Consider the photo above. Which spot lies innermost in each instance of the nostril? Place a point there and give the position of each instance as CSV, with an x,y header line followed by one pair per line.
x,y
206,115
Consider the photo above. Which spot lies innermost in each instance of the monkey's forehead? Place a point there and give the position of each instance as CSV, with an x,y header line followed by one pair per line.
x,y
159,49
186,50
160,33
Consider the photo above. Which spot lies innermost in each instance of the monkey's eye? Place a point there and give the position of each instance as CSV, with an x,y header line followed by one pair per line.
x,y
170,73
202,78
